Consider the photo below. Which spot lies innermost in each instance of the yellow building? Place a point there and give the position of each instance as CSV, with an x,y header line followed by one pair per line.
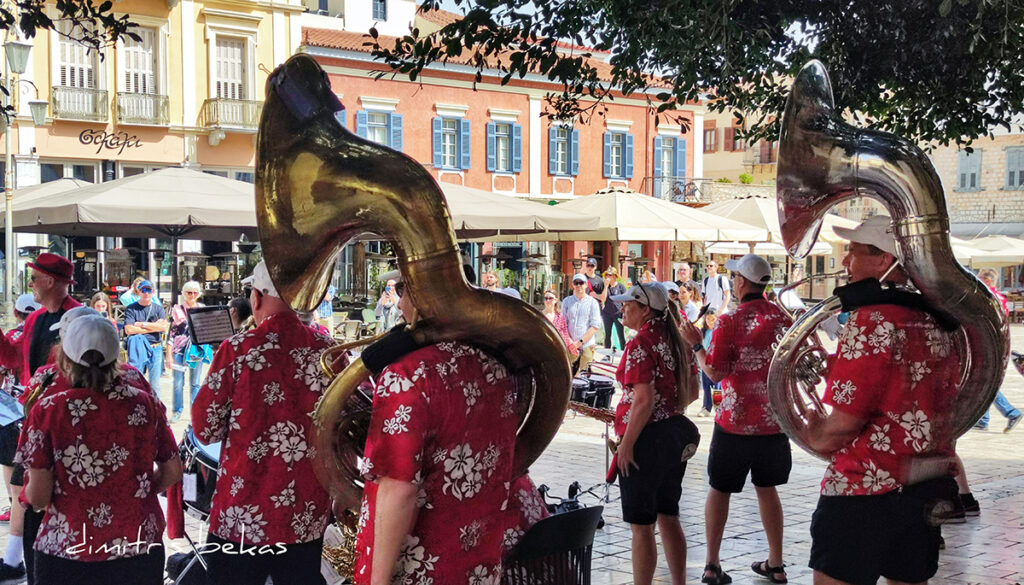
x,y
188,93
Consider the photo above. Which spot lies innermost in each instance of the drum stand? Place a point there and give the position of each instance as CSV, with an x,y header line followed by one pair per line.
x,y
604,487
198,558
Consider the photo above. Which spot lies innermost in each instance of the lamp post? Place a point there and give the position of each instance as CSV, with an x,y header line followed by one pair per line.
x,y
16,62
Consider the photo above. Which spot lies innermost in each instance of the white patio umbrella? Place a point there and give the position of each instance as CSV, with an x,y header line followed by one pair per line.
x,y
992,251
762,212
478,213
628,215
760,248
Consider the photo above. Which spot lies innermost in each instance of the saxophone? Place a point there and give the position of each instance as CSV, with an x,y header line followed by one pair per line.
x,y
823,161
318,186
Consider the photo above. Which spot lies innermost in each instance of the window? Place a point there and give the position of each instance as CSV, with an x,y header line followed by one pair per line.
x,y
380,127
711,140
669,166
732,142
51,171
247,175
230,68
380,10
140,62
451,143
130,170
504,147
968,170
77,64
1015,168
618,155
563,151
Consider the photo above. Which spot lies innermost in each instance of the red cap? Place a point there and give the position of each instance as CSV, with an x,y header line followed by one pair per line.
x,y
53,265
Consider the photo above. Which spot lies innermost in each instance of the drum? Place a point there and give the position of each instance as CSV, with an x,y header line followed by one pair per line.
x,y
201,463
580,386
593,390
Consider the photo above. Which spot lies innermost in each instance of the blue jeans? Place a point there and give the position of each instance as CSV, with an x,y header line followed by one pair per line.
x,y
1003,406
152,369
194,373
707,385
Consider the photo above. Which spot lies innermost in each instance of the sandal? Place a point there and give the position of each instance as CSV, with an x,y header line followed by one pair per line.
x,y
769,572
720,577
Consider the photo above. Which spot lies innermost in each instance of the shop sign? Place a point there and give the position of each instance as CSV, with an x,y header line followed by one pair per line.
x,y
109,140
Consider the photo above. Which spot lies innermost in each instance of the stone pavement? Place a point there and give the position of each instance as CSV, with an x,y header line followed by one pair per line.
x,y
988,549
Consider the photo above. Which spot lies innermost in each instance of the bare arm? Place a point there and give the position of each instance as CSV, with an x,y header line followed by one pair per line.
x,y
39,490
726,297
693,336
168,473
639,413
834,432
395,517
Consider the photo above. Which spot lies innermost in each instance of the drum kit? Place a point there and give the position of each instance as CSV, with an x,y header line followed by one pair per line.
x,y
201,464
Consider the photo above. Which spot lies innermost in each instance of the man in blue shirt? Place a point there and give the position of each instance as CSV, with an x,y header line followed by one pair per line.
x,y
583,317
144,323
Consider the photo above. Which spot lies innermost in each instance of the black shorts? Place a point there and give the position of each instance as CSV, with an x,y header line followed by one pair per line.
x,y
656,483
9,443
858,539
767,458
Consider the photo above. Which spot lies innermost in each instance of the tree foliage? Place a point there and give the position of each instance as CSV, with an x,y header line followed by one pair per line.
x,y
929,70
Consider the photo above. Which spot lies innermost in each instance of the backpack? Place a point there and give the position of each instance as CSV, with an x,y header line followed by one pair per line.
x,y
704,284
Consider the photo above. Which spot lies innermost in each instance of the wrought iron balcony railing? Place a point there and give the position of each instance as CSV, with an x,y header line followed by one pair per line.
x,y
143,108
228,113
79,103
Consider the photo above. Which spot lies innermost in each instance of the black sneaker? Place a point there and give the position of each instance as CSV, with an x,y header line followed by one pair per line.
x,y
1012,422
8,572
954,513
970,504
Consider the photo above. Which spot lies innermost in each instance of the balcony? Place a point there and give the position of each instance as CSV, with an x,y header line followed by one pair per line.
x,y
677,189
79,103
231,114
143,108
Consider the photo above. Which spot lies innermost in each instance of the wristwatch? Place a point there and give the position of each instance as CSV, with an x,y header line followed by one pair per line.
x,y
697,347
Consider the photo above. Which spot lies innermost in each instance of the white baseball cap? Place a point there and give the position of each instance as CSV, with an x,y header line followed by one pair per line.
x,y
653,295
260,280
69,316
395,275
91,333
580,276
26,303
670,286
875,230
752,267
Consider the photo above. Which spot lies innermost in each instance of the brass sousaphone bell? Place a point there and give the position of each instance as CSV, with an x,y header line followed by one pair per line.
x,y
824,161
318,186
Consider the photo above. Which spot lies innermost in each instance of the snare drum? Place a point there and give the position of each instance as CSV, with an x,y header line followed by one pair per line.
x,y
201,463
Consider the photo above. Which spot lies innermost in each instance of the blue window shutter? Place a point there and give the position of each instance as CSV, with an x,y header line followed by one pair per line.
x,y
629,156
491,148
574,154
552,137
464,144
361,123
438,159
681,157
607,154
395,120
341,117
657,166
517,148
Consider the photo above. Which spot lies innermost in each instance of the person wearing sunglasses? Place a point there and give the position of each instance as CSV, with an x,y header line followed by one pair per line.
x,y
583,316
553,311
178,348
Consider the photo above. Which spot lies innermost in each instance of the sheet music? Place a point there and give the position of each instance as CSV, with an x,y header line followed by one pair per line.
x,y
210,325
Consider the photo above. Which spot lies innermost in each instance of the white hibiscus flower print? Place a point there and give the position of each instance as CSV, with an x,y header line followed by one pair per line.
x,y
471,390
145,485
392,383
255,360
918,429
139,416
257,450
939,342
214,379
493,371
115,457
918,370
307,368
237,483
272,393
79,407
851,341
879,439
882,337
288,440
511,538
397,424
481,575
84,466
842,392
308,524
247,520
286,497
752,358
876,479
469,535
100,515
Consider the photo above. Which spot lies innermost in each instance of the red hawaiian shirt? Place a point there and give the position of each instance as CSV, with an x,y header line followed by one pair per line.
x,y
444,418
101,448
129,376
258,399
9,375
898,369
648,360
741,348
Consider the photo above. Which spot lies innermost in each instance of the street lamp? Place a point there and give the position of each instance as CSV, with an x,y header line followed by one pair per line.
x,y
16,62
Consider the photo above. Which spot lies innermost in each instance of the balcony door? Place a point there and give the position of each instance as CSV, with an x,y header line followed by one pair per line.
x,y
78,72
140,75
230,80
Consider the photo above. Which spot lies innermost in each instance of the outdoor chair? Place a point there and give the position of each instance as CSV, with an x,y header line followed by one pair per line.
x,y
369,322
555,550
348,330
